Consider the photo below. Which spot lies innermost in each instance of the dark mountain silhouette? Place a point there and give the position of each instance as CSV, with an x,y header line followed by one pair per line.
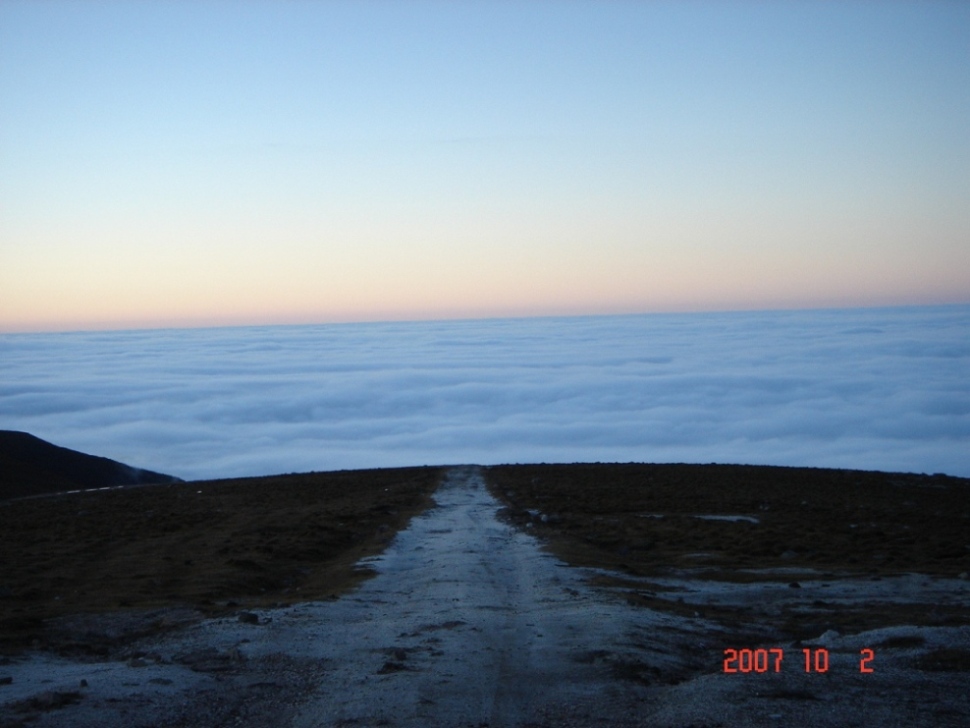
x,y
31,466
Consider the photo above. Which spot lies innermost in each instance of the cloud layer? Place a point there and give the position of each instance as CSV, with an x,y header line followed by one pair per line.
x,y
879,389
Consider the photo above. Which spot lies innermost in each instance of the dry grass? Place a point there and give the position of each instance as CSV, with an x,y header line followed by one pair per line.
x,y
253,541
642,519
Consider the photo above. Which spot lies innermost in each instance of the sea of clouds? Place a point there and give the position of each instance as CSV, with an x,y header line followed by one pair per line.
x,y
885,389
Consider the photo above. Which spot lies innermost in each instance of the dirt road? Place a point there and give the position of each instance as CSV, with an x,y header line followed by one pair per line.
x,y
467,623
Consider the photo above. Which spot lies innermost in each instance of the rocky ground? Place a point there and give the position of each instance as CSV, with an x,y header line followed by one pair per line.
x,y
473,616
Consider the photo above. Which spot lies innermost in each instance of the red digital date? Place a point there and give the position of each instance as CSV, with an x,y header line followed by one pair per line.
x,y
765,660
752,660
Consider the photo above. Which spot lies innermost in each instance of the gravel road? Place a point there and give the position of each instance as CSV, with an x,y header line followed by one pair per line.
x,y
470,623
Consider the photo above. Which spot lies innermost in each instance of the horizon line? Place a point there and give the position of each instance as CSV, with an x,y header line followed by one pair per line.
x,y
121,328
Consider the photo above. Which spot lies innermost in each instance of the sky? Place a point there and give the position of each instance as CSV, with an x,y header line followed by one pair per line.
x,y
882,389
167,164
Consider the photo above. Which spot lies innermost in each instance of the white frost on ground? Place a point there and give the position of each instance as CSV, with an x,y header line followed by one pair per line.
x,y
469,623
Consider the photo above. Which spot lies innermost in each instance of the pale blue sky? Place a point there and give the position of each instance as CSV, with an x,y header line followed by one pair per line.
x,y
181,163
